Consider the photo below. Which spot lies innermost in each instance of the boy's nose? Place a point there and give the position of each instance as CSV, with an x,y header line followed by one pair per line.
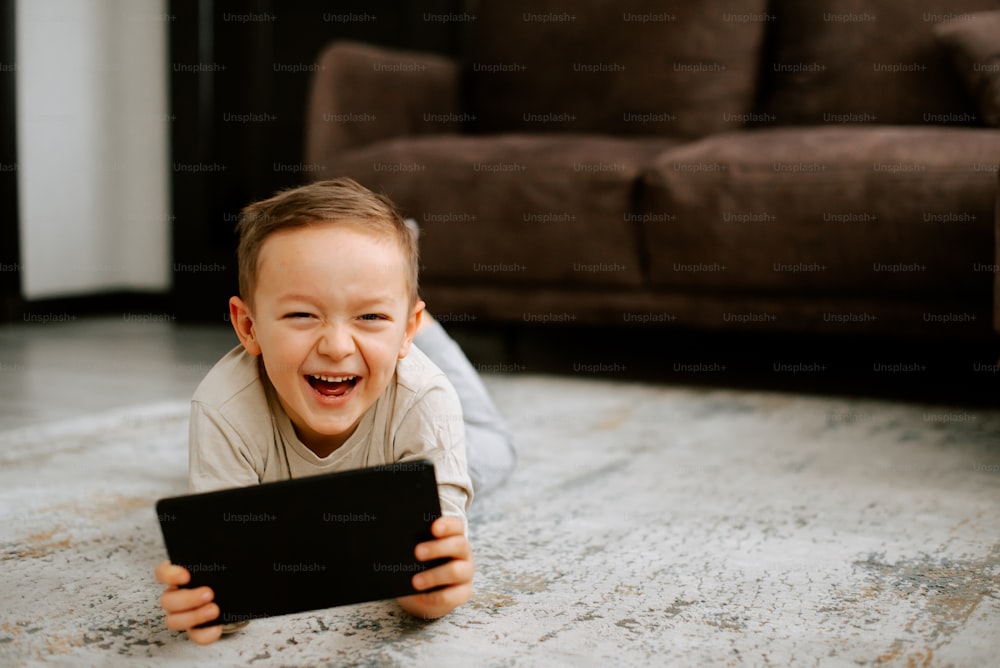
x,y
336,342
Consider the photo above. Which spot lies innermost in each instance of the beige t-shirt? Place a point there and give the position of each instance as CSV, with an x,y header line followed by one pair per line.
x,y
240,435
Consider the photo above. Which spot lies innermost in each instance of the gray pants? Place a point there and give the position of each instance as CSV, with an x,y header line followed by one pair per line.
x,y
488,444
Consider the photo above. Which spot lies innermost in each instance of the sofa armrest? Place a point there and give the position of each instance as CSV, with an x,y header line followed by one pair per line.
x,y
361,94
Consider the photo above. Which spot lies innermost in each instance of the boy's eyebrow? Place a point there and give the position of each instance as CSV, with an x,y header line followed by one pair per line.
x,y
382,300
375,300
296,297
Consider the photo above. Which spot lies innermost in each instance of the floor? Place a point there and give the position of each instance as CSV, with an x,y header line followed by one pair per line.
x,y
55,370
676,522
645,525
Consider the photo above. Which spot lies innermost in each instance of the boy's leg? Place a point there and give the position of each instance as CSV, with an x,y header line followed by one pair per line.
x,y
488,444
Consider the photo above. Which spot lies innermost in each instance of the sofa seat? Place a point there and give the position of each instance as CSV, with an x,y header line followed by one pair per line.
x,y
500,209
874,210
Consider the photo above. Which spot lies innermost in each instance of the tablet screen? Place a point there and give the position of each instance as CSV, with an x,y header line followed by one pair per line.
x,y
305,544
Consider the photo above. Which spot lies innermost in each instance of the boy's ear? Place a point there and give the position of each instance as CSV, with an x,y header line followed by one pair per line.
x,y
412,326
239,316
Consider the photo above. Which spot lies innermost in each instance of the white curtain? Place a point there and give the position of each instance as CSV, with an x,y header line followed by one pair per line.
x,y
93,146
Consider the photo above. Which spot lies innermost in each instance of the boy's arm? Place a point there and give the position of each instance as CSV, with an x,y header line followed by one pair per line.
x,y
218,454
433,429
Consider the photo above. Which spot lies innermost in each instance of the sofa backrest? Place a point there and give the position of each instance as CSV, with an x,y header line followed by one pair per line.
x,y
863,61
681,68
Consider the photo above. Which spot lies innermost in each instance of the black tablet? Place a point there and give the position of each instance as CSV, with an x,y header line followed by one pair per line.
x,y
305,544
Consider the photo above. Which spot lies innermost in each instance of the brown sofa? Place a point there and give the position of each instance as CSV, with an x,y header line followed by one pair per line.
x,y
795,166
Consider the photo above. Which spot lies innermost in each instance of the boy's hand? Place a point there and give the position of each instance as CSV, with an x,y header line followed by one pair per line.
x,y
455,577
187,607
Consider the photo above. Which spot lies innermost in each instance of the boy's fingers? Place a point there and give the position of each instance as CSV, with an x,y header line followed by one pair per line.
x,y
436,603
169,574
182,600
204,636
456,547
183,621
447,525
454,572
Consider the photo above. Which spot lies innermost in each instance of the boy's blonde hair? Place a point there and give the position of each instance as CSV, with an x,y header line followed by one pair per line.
x,y
340,200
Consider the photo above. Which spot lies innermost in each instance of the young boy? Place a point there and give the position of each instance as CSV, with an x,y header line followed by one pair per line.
x,y
326,379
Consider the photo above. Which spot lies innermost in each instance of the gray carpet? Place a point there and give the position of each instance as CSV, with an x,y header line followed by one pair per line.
x,y
645,526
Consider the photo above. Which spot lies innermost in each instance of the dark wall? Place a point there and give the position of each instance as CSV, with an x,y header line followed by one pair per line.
x,y
239,77
10,267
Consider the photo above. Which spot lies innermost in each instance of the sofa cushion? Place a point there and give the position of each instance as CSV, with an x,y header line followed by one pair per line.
x,y
832,210
674,68
848,61
348,105
514,209
974,43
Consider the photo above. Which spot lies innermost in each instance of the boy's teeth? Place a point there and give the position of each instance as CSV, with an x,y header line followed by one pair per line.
x,y
333,379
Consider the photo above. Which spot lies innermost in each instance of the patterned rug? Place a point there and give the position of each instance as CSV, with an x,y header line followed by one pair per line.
x,y
646,525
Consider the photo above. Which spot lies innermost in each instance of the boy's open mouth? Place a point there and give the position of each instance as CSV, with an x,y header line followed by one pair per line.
x,y
332,386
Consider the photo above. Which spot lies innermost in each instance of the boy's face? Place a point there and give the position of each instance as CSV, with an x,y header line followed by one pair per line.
x,y
331,317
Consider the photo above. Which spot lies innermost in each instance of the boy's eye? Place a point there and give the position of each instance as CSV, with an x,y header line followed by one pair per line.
x,y
373,316
298,315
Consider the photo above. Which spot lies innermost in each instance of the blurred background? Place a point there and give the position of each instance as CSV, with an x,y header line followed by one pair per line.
x,y
133,132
